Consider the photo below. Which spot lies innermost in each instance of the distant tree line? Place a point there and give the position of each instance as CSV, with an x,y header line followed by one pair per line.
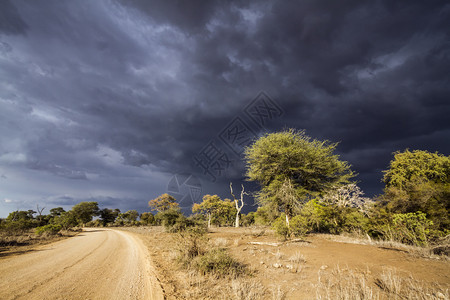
x,y
304,188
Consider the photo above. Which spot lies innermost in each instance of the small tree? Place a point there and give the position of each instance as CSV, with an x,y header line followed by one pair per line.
x,y
57,211
349,195
40,218
209,206
129,217
147,218
108,216
163,203
225,213
239,203
85,211
67,220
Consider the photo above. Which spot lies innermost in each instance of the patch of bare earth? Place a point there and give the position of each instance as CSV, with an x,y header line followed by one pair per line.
x,y
316,267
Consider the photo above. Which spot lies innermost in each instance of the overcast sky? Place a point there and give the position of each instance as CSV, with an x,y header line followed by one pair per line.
x,y
107,100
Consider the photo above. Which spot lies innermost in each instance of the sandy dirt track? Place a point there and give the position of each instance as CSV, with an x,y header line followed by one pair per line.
x,y
96,264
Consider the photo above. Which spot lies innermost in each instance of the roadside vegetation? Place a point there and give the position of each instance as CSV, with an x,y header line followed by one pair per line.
x,y
304,189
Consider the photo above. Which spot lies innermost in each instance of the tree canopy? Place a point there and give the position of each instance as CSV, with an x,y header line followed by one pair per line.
x,y
421,165
215,209
419,181
293,168
85,211
163,203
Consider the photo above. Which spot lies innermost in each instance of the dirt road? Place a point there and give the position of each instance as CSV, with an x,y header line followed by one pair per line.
x,y
96,264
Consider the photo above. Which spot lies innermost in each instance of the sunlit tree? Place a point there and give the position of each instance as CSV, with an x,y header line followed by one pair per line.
x,y
292,168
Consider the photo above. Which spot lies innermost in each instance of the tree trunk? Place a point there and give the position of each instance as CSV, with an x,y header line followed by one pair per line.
x,y
236,202
288,213
287,220
209,220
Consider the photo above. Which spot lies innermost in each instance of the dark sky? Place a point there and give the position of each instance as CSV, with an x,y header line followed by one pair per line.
x,y
107,100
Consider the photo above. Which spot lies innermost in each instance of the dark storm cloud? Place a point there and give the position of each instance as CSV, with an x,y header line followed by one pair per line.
x,y
117,93
10,20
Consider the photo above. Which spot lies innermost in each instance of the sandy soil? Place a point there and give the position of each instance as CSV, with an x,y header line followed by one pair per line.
x,y
96,264
293,268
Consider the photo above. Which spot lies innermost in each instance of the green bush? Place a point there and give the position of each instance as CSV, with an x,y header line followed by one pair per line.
x,y
355,221
298,226
50,229
318,217
266,215
280,227
248,219
15,227
412,228
94,223
182,224
168,218
219,263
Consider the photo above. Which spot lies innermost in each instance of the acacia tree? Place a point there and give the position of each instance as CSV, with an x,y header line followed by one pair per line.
x,y
225,214
292,168
108,216
163,203
84,211
215,208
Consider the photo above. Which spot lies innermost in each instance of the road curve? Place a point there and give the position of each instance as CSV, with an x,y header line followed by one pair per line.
x,y
96,264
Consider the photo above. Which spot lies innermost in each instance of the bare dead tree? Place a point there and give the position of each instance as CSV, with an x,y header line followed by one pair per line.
x,y
238,202
39,211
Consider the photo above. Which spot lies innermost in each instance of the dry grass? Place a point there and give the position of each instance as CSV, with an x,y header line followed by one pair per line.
x,y
220,242
425,252
28,237
348,284
297,258
343,284
247,289
398,287
278,293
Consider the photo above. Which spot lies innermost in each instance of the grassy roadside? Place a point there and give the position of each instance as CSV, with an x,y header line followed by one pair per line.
x,y
25,241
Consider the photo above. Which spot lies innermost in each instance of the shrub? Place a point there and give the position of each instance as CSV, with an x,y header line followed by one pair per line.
x,y
248,219
168,217
412,228
266,215
191,243
16,227
50,229
298,226
219,263
94,223
355,221
319,218
279,225
182,224
147,218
